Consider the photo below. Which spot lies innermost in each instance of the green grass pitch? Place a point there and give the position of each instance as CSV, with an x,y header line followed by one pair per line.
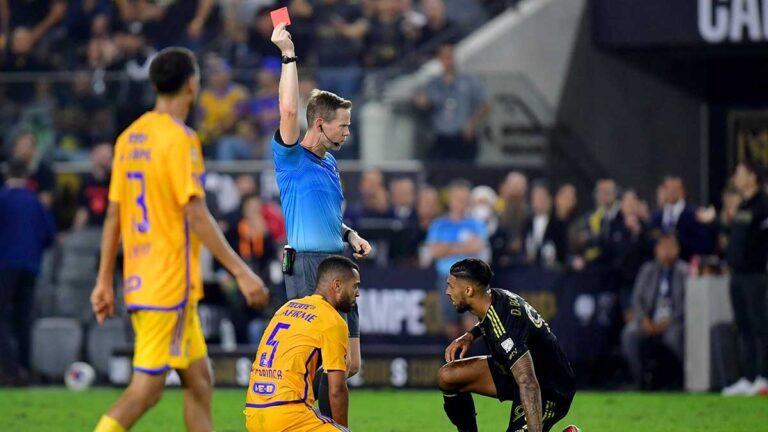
x,y
60,410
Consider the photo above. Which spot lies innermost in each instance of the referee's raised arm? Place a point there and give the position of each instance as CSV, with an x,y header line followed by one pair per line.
x,y
289,86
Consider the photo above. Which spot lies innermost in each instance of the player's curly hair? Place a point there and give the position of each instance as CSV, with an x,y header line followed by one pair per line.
x,y
323,104
473,269
171,69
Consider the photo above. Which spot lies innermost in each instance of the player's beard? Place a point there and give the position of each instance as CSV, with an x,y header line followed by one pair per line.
x,y
347,304
460,307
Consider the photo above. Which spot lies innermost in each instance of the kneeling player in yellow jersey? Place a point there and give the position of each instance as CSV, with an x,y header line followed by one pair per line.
x,y
157,205
302,334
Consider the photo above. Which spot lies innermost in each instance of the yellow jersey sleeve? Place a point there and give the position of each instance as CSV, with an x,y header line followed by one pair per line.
x,y
334,346
187,176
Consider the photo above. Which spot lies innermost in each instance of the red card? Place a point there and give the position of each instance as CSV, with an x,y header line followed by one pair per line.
x,y
280,16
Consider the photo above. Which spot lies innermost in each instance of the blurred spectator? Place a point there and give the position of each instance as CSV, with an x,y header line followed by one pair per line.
x,y
545,237
506,242
457,104
747,257
42,180
337,46
26,230
259,37
38,17
83,15
437,27
94,192
731,202
629,245
170,22
566,207
657,324
451,238
385,41
403,194
242,145
371,184
219,102
253,242
596,224
263,109
483,201
428,209
19,58
273,216
679,217
404,241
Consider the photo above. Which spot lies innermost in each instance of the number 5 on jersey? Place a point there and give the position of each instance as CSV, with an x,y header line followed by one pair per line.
x,y
263,362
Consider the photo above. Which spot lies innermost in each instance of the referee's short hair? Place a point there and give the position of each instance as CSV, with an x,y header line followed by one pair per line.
x,y
323,104
333,265
171,69
473,269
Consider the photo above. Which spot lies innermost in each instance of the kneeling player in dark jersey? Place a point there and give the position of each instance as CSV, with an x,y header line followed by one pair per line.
x,y
517,337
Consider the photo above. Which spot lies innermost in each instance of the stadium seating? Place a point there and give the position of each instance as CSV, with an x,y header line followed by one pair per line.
x,y
77,274
102,340
56,343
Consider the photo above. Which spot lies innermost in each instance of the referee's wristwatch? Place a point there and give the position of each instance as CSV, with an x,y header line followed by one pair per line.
x,y
287,59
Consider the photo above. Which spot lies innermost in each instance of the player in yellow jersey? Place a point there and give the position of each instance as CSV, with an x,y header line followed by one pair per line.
x,y
280,397
157,206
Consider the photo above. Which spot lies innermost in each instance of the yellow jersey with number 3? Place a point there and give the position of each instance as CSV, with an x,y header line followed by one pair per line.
x,y
301,333
157,168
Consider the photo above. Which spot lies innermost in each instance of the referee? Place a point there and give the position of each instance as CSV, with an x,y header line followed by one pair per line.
x,y
310,190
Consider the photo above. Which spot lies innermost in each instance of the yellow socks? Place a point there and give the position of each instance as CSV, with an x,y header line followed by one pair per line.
x,y
108,424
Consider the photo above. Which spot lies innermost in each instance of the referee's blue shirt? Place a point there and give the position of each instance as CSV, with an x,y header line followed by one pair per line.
x,y
310,192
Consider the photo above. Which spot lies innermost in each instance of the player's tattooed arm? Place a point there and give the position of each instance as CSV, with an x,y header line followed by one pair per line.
x,y
530,392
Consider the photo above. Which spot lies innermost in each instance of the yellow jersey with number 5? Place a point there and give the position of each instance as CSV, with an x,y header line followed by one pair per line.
x,y
302,332
157,168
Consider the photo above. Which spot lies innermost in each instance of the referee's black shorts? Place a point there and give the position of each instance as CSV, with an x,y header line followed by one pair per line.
x,y
554,404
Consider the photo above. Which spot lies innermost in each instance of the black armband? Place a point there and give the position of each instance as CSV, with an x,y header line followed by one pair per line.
x,y
345,235
475,331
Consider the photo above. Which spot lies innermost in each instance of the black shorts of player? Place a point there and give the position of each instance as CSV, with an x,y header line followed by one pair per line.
x,y
555,405
302,283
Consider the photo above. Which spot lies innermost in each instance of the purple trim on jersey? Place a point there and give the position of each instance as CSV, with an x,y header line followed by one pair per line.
x,y
138,307
306,388
306,373
186,260
271,404
151,371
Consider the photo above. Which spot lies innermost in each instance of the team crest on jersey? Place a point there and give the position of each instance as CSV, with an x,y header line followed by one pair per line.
x,y
507,344
194,155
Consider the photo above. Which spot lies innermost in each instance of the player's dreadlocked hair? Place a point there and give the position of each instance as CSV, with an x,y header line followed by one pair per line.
x,y
473,269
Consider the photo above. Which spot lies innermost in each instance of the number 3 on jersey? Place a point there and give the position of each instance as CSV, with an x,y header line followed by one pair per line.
x,y
142,225
263,361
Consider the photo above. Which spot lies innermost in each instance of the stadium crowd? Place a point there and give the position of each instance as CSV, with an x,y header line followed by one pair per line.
x,y
344,44
651,245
